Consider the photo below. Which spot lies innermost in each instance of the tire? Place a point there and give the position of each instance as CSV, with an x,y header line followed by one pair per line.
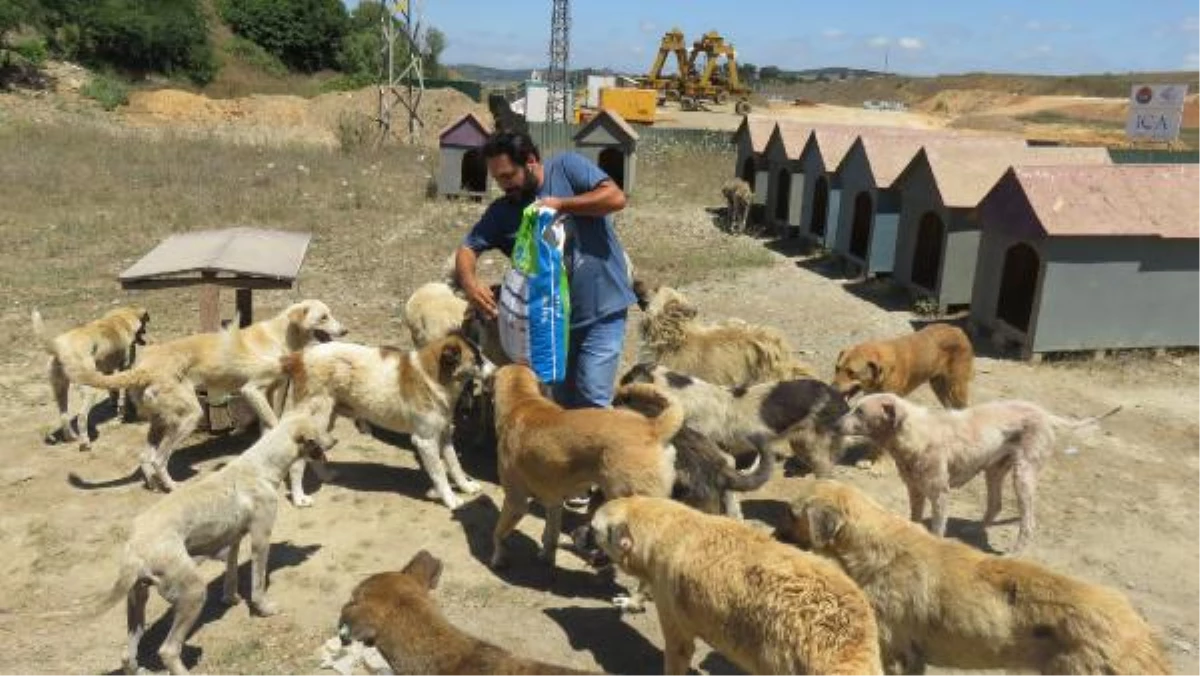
x,y
742,107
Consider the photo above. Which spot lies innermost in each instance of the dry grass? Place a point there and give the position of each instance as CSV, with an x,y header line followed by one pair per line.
x,y
83,203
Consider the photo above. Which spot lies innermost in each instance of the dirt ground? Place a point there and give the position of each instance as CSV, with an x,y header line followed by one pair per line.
x,y
1122,511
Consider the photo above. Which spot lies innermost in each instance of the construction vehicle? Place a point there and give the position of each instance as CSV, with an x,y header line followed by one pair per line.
x,y
701,77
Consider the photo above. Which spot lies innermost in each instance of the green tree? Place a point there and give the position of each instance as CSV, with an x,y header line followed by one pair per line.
x,y
435,44
304,34
769,73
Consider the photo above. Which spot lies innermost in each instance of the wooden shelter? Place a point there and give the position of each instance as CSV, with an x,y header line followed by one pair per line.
x,y
463,171
609,141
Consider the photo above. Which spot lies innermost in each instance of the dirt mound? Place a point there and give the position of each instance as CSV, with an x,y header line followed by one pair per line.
x,y
955,102
285,117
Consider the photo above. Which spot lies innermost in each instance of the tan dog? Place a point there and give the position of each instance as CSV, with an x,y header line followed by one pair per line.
x,y
937,450
396,613
105,345
731,353
942,602
549,453
939,354
407,392
767,607
245,360
209,518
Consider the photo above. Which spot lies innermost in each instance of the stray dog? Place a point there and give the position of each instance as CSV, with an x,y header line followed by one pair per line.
x,y
945,603
550,453
704,479
209,518
403,391
737,194
767,607
938,450
395,612
730,353
795,417
105,345
245,359
432,312
939,354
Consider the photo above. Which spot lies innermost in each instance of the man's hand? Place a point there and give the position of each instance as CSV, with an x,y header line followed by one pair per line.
x,y
482,299
554,203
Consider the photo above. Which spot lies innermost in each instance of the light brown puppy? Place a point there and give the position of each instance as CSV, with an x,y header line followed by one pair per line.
x,y
730,353
105,345
549,453
767,607
410,392
937,450
236,359
396,613
209,518
939,354
941,602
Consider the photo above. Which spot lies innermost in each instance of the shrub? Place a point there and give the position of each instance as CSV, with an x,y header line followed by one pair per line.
x,y
109,90
304,34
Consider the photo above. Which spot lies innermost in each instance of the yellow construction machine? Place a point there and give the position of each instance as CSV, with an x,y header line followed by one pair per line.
x,y
702,76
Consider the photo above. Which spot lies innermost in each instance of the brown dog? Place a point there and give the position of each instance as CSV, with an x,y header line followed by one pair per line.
x,y
395,612
939,354
942,602
105,345
550,453
767,607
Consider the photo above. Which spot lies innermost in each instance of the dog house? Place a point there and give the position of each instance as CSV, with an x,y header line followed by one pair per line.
x,y
785,184
243,259
1089,257
751,139
820,187
609,141
938,237
869,213
463,171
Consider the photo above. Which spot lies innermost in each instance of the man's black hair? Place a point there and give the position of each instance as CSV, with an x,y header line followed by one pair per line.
x,y
518,146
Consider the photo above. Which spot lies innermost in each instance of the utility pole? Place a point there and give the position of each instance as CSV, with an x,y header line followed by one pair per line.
x,y
558,107
402,20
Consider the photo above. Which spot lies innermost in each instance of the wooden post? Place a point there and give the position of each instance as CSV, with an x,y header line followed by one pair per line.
x,y
245,308
210,305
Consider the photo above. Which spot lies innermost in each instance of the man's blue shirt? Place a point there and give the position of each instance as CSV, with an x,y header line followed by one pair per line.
x,y
599,281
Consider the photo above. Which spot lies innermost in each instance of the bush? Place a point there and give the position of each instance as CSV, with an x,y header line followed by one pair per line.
x,y
355,132
256,56
32,50
304,34
109,90
135,36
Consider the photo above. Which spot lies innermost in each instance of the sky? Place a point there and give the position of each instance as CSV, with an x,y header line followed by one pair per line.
x,y
917,37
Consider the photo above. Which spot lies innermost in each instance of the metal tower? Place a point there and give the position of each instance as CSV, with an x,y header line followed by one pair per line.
x,y
402,83
558,107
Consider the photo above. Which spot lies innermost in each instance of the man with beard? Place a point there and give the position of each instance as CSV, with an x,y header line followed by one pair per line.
x,y
596,264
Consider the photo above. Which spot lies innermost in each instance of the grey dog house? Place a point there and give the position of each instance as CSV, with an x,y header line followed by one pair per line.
x,y
462,171
1089,258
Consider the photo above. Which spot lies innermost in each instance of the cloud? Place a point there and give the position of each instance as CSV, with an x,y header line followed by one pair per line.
x,y
879,41
1190,24
1191,61
833,33
647,26
910,43
1036,26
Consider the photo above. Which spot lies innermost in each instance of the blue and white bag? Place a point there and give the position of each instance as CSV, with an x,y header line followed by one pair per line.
x,y
535,303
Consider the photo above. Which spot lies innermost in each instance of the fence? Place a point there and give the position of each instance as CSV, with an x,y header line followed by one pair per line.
x,y
1140,156
553,138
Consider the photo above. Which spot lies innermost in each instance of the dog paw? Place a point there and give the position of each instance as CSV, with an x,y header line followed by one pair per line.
x,y
498,562
231,599
469,487
302,500
628,604
264,608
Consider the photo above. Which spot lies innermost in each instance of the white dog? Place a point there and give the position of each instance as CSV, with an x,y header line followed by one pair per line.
x,y
936,450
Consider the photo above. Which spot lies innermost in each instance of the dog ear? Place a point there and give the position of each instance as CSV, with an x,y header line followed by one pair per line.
x,y
824,523
297,314
876,371
451,357
425,567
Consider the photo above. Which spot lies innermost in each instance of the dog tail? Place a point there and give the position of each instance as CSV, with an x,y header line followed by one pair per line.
x,y
121,380
669,419
97,605
39,330
764,466
1071,424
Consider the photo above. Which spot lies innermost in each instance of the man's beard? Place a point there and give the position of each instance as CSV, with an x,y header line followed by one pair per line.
x,y
526,192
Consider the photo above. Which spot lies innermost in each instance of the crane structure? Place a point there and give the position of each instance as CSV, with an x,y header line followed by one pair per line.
x,y
707,71
558,107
